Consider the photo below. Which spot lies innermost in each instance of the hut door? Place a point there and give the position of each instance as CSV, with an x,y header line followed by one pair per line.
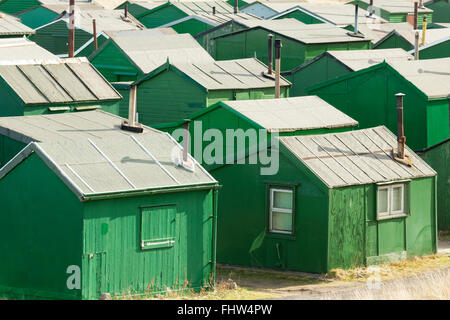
x,y
97,274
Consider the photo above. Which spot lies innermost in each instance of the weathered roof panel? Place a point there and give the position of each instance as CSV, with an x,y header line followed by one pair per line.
x,y
292,114
23,50
70,80
355,157
397,6
11,26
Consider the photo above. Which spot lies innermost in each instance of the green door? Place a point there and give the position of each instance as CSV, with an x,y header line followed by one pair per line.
x,y
97,274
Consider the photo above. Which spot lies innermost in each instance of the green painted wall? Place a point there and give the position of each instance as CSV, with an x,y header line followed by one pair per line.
x,y
301,16
207,40
441,50
375,89
394,41
8,149
10,103
88,50
191,26
40,233
441,11
323,69
253,43
54,37
133,8
37,17
16,6
439,158
112,233
114,65
160,17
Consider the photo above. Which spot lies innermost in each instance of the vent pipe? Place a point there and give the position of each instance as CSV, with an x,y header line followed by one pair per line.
x,y
416,46
235,9
71,43
94,29
416,14
400,129
421,6
186,140
371,8
214,10
126,10
132,124
424,29
355,30
277,67
269,54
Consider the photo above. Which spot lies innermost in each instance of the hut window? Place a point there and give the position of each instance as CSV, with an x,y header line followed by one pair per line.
x,y
391,200
158,227
281,205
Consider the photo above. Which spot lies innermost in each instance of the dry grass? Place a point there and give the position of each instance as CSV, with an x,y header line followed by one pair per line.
x,y
444,235
393,269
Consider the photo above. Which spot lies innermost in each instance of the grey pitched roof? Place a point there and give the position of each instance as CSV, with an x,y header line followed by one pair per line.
x,y
338,14
431,76
361,59
229,74
292,114
60,7
71,80
355,157
397,6
73,126
11,26
23,50
128,164
149,51
106,20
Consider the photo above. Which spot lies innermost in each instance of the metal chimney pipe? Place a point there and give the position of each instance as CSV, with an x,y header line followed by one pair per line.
x,y
424,29
214,10
186,140
356,19
416,46
277,67
235,9
132,106
400,130
71,42
94,29
421,6
371,8
126,10
416,14
269,54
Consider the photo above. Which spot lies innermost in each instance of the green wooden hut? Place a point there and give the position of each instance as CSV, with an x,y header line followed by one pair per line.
x,y
332,64
11,27
136,8
64,85
199,85
129,55
437,46
103,215
368,95
14,7
301,42
53,36
327,204
441,10
38,16
396,11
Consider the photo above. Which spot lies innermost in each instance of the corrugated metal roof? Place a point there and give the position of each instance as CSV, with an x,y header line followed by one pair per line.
x,y
121,164
338,14
71,80
355,157
431,76
149,51
11,26
60,7
229,74
106,20
292,114
361,59
397,6
74,126
22,50
307,33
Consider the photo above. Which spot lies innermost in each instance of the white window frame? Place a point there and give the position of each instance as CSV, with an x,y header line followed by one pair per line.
x,y
390,213
272,208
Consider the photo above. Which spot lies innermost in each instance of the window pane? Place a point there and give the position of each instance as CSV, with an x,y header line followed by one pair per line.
x,y
282,200
397,196
382,200
281,221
